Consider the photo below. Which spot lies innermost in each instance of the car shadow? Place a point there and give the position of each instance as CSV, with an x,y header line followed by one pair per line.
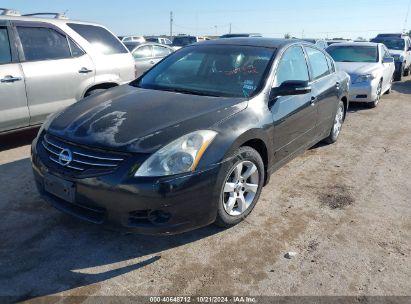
x,y
44,251
17,139
402,87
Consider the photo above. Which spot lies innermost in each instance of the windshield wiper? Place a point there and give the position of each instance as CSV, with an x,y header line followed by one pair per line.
x,y
192,92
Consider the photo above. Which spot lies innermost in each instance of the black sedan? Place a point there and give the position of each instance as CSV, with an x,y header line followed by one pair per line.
x,y
194,140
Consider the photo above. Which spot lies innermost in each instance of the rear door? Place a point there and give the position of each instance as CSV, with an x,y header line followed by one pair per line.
x,y
388,67
14,112
57,70
325,88
143,55
294,117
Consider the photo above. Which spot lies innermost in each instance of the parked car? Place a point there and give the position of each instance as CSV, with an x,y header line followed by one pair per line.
x,y
243,35
183,40
138,39
47,64
318,42
161,40
195,139
400,48
146,55
331,42
370,66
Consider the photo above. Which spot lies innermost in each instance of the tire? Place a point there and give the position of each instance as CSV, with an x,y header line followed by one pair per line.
x,y
375,103
337,124
235,202
93,92
407,72
398,75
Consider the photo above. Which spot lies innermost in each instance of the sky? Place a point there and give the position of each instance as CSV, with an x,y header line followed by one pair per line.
x,y
272,18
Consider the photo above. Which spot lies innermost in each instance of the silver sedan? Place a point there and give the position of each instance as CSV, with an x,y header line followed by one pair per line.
x,y
370,66
147,55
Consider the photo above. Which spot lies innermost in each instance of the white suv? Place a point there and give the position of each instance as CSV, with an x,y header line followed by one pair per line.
x,y
47,64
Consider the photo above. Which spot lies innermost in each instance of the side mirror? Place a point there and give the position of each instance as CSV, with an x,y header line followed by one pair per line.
x,y
291,87
388,60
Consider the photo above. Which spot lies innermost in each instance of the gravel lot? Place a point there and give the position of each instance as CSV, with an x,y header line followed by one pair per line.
x,y
345,209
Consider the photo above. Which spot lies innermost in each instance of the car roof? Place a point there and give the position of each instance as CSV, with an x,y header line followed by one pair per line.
x,y
355,44
252,41
137,45
55,21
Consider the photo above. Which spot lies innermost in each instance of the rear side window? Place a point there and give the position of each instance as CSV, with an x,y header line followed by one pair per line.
x,y
40,43
5,53
159,51
101,39
318,62
292,66
76,51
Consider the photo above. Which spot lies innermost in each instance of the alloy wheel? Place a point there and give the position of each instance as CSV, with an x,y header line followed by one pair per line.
x,y
379,90
338,122
240,188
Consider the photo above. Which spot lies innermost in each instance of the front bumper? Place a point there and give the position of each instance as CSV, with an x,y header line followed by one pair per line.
x,y
364,91
145,205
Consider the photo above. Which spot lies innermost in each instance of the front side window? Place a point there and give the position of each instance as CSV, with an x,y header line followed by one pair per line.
x,y
292,66
318,63
100,38
218,70
354,53
142,52
40,43
5,52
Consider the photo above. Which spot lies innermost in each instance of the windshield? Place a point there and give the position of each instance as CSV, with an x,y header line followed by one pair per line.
x,y
353,53
215,70
392,44
183,41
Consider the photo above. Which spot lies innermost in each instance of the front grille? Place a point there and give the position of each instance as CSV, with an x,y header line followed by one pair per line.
x,y
83,159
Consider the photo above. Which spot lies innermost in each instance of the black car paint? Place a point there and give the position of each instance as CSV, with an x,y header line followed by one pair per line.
x,y
278,128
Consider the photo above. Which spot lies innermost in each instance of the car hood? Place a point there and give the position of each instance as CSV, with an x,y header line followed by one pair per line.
x,y
131,119
357,68
397,52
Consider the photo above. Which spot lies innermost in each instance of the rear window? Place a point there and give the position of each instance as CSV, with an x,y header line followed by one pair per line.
x,y
183,41
101,39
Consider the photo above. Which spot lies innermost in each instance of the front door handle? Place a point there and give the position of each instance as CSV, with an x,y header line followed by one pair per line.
x,y
9,78
152,62
337,85
85,71
313,100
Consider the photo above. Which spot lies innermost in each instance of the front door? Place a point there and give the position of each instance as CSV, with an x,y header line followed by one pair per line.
x,y
14,112
294,117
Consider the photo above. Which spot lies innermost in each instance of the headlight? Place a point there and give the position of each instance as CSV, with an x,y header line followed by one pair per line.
x,y
180,156
364,78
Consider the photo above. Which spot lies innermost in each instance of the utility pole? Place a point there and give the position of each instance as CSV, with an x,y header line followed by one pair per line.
x,y
216,29
406,17
171,24
230,28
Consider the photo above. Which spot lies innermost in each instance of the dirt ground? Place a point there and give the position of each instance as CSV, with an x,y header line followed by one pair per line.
x,y
345,209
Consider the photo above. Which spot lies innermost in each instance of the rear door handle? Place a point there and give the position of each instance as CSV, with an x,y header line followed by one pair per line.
x,y
85,71
9,78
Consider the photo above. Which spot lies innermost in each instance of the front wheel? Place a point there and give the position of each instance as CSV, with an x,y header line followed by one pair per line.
x,y
375,103
241,187
337,125
407,72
